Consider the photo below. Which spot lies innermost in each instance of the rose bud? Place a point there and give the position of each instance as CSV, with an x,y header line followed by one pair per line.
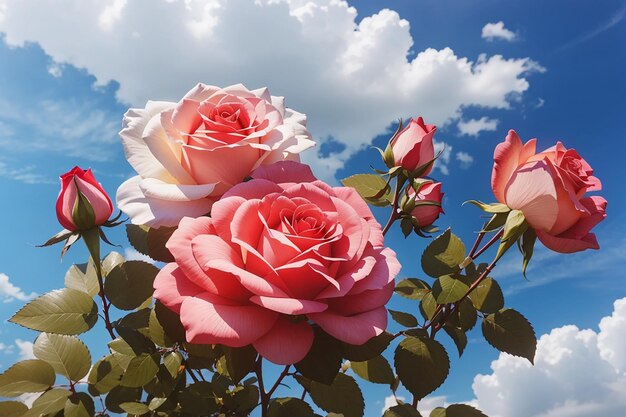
x,y
424,207
82,202
413,146
549,189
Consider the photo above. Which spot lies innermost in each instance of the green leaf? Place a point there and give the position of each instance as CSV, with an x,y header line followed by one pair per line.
x,y
129,284
135,408
156,331
323,360
487,296
367,185
422,365
12,409
120,395
141,370
198,399
32,375
458,336
428,306
447,289
65,311
457,410
49,403
403,410
510,332
412,288
170,322
527,247
138,237
68,355
112,260
239,361
490,208
157,238
438,412
405,319
464,315
370,349
155,403
83,278
289,407
79,404
172,362
243,400
105,375
406,224
342,396
137,342
443,255
136,320
376,370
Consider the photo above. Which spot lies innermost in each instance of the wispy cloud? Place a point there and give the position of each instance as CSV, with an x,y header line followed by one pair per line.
x,y
67,127
615,19
547,266
24,174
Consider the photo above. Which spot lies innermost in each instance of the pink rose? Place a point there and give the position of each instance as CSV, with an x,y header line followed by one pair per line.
x,y
188,154
413,146
549,188
426,214
280,252
82,202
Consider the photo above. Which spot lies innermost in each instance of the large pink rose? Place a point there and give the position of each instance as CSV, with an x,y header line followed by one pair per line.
x,y
549,188
279,253
188,154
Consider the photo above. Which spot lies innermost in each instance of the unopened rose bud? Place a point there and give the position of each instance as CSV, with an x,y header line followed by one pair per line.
x,y
413,146
82,202
426,206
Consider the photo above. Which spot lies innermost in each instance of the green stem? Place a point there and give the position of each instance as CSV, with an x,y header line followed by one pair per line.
x,y
92,241
394,205
264,397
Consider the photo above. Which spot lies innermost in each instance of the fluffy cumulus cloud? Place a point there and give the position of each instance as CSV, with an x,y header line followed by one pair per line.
x,y
473,127
352,79
10,292
577,373
493,31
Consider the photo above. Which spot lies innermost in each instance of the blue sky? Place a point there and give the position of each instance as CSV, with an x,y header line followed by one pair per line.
x,y
552,70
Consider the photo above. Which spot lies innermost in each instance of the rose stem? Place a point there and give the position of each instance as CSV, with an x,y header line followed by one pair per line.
x,y
92,241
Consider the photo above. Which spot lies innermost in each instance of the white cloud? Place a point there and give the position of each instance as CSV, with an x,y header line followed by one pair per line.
x,y
492,31
465,159
473,127
10,292
69,127
24,174
390,401
577,373
444,159
352,79
131,254
25,349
